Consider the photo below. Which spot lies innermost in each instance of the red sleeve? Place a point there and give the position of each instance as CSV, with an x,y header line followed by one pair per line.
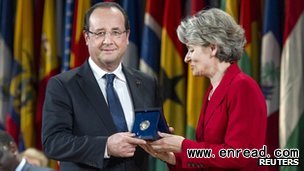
x,y
246,126
178,166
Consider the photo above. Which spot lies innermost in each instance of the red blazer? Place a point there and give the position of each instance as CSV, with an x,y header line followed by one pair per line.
x,y
235,117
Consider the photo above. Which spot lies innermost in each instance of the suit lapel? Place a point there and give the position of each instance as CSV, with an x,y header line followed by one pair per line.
x,y
89,86
220,92
134,85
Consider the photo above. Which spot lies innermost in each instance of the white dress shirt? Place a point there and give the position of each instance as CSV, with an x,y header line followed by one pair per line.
x,y
21,165
121,88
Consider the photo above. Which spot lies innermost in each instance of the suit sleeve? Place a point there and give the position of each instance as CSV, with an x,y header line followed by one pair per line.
x,y
58,139
246,126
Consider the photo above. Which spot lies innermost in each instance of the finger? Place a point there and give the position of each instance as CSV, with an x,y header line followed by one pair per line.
x,y
163,135
156,142
127,151
136,141
148,150
143,147
129,134
130,154
130,146
171,130
131,150
157,148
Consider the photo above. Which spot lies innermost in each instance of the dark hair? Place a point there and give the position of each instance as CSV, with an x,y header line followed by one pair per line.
x,y
105,5
5,138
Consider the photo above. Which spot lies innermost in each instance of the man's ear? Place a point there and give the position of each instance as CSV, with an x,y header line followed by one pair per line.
x,y
13,147
128,35
86,36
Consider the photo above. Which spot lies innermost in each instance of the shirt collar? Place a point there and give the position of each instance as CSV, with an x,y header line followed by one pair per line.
x,y
99,73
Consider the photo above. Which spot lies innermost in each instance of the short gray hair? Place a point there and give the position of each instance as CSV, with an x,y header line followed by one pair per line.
x,y
214,26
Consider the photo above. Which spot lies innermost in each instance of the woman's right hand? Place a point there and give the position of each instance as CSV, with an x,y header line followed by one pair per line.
x,y
168,157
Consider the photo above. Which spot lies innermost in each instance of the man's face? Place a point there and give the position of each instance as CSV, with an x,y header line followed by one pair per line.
x,y
109,45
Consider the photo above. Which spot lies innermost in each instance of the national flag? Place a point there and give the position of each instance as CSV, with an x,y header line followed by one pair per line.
x,y
38,13
150,48
151,39
20,121
135,11
270,70
196,87
6,55
232,8
68,20
49,62
173,72
79,49
292,82
60,24
249,20
196,5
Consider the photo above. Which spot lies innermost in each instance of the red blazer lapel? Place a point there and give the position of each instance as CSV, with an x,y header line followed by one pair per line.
x,y
220,91
200,125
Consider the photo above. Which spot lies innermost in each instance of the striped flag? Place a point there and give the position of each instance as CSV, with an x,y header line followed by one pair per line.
x,y
172,74
150,51
270,70
292,81
49,64
151,39
232,8
60,17
194,98
245,21
173,68
196,5
38,13
135,11
79,49
38,17
68,22
249,19
20,121
6,55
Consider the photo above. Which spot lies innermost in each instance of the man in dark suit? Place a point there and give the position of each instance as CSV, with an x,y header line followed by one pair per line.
x,y
9,156
79,128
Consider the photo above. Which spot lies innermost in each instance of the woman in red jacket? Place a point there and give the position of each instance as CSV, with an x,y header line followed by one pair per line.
x,y
234,112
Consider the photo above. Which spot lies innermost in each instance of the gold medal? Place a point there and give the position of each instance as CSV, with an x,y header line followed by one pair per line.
x,y
144,125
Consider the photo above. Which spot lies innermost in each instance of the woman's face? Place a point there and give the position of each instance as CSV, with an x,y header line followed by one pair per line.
x,y
200,59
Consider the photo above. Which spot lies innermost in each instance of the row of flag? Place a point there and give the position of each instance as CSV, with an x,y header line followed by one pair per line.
x,y
39,39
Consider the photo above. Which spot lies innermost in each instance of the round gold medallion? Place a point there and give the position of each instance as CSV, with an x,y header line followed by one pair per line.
x,y
144,125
